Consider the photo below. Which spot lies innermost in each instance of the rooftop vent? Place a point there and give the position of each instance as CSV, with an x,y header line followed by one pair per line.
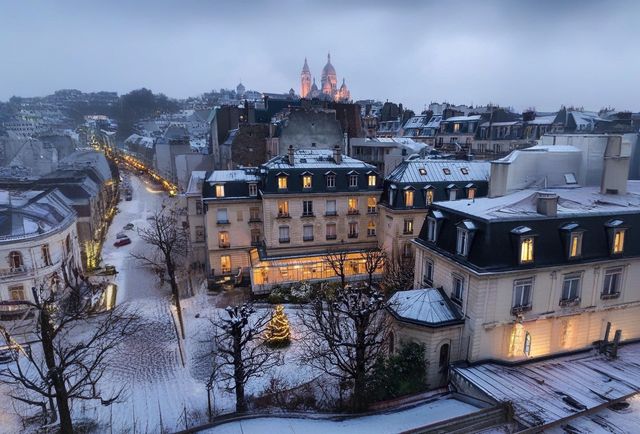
x,y
547,204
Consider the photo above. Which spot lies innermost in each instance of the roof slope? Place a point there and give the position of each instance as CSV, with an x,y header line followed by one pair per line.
x,y
427,306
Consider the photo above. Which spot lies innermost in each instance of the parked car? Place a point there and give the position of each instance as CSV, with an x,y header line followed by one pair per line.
x,y
122,242
121,235
127,195
128,227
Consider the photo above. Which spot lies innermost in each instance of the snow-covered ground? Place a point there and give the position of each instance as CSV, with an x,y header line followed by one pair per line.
x,y
392,422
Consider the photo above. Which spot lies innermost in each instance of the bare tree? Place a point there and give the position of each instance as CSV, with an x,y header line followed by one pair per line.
x,y
170,240
337,260
398,275
239,349
374,260
345,336
74,341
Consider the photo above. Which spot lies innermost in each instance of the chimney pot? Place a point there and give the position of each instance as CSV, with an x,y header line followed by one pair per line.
x,y
547,204
290,154
337,154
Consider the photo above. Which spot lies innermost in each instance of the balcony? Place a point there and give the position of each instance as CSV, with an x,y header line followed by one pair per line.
x,y
353,212
372,211
517,310
283,215
568,302
609,295
222,222
308,214
330,213
224,245
255,220
14,271
307,238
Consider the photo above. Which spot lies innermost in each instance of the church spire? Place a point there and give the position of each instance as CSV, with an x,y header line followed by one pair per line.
x,y
305,68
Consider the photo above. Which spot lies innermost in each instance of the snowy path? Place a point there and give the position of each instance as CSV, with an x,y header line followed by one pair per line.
x,y
387,423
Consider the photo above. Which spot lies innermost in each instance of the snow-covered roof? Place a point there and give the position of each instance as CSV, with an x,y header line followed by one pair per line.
x,y
314,158
418,170
572,201
501,124
195,183
542,120
462,118
562,387
238,175
427,306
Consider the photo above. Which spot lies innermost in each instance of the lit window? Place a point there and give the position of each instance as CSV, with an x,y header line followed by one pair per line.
x,y
306,181
353,180
408,226
458,289
253,189
331,231
429,196
371,228
526,250
331,181
372,180
283,208
408,198
283,232
527,344
282,182
427,274
571,287
353,230
225,264
471,193
612,282
431,229
618,241
462,244
575,247
352,205
219,190
371,204
223,240
522,289
456,128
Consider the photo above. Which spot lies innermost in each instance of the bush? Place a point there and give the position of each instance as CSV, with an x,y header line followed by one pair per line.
x,y
296,293
401,374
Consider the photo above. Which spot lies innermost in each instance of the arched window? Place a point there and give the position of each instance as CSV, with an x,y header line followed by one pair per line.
x,y
15,260
443,361
527,343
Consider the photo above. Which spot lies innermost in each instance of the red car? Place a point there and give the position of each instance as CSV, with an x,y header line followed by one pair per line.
x,y
122,242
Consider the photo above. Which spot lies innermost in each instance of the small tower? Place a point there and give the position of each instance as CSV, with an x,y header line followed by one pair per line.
x,y
305,80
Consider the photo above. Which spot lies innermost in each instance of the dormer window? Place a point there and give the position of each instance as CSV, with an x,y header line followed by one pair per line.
x,y
526,250
353,180
331,180
525,242
306,182
573,240
372,180
466,230
471,191
616,232
408,197
446,171
431,229
282,182
253,189
219,190
453,191
428,195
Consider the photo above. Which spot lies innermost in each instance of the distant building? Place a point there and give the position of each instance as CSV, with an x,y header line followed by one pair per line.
x,y
328,84
174,142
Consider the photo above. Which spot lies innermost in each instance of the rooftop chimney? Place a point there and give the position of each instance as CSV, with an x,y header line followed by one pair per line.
x,y
547,204
615,170
337,154
290,155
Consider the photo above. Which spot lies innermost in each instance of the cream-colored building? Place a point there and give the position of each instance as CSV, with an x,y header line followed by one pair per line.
x,y
276,224
38,236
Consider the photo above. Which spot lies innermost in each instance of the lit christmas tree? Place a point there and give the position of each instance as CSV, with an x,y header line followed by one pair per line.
x,y
277,333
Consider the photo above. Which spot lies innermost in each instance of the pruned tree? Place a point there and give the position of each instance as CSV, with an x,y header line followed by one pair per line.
x,y
345,335
337,260
73,344
239,349
169,241
374,261
398,275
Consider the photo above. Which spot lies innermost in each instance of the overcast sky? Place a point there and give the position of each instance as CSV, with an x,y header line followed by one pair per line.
x,y
516,53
